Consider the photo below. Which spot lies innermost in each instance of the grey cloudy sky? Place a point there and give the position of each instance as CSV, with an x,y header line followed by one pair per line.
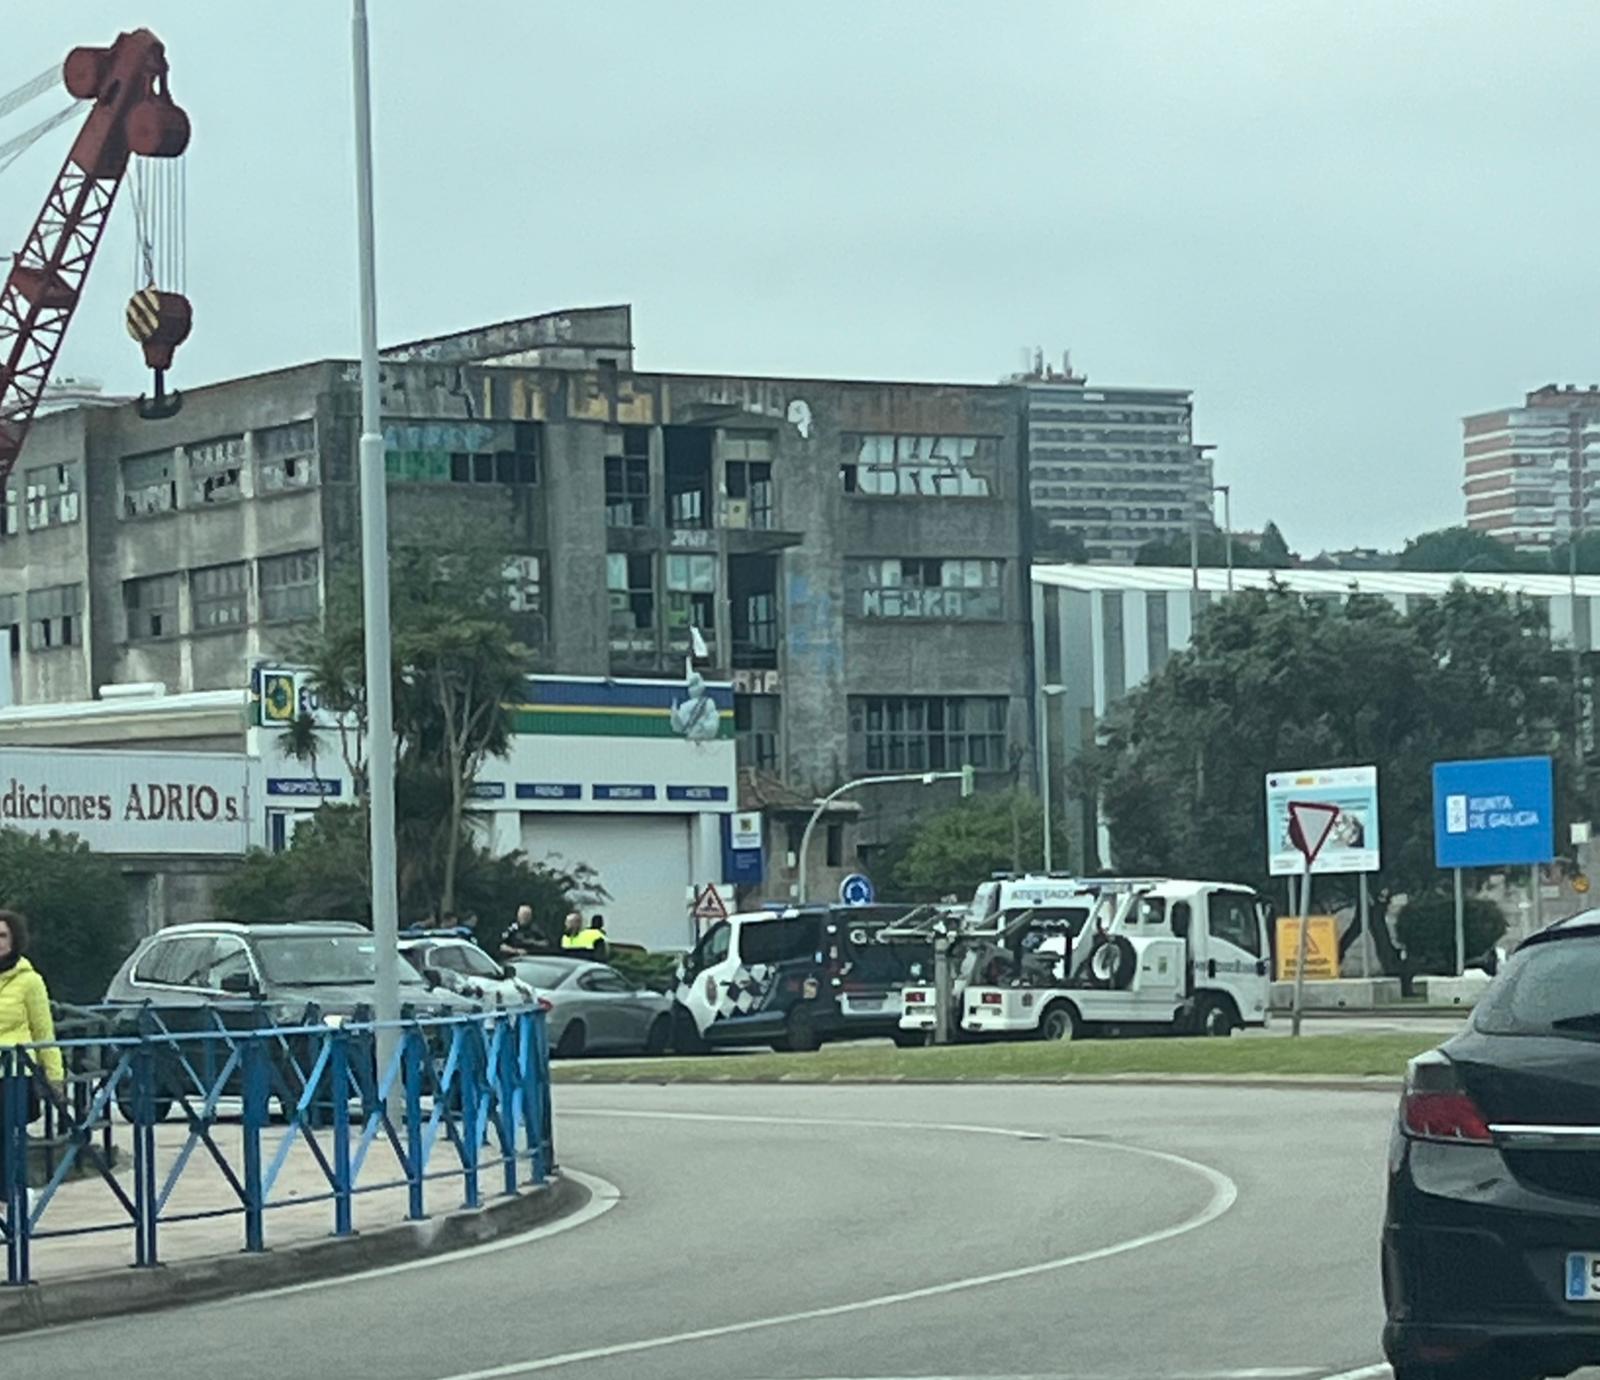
x,y
1343,224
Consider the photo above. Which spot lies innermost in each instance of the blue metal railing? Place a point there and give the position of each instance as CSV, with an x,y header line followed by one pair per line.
x,y
460,1098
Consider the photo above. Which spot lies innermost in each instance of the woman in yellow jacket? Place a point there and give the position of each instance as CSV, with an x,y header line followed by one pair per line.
x,y
24,1004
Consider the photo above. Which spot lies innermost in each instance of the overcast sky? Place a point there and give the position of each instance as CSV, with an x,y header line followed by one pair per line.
x,y
1344,225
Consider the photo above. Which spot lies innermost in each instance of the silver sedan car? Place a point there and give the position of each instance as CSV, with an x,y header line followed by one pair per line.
x,y
593,1008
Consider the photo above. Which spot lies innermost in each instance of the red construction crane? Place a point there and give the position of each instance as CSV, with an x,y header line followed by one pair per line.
x,y
133,113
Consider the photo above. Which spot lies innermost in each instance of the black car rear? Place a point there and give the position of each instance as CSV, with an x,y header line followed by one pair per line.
x,y
1491,1246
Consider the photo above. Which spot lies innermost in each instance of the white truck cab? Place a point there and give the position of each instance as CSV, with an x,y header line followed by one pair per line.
x,y
1190,957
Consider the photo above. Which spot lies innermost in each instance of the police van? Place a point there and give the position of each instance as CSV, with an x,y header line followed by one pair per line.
x,y
1186,957
796,978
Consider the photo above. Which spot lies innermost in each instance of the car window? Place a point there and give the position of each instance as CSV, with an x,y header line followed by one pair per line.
x,y
543,972
714,947
445,956
778,941
322,960
471,960
1232,918
603,980
1542,985
1151,910
176,962
229,958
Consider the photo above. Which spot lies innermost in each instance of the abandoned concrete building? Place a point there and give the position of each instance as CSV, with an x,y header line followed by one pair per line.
x,y
853,553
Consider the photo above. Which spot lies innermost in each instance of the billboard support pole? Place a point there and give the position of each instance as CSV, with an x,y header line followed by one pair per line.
x,y
1461,926
1536,886
1300,946
1366,930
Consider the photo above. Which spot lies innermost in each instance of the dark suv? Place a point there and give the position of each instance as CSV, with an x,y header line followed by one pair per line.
x,y
327,963
1491,1241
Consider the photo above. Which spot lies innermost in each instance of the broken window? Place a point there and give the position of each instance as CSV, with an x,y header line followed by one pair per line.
x,y
630,582
494,467
750,487
52,495
214,470
152,607
753,596
941,589
628,477
688,470
525,595
149,483
286,457
9,510
691,597
290,586
220,596
919,466
55,617
927,732
755,727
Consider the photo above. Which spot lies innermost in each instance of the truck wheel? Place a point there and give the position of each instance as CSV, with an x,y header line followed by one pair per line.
x,y
910,1039
1059,1022
660,1035
1216,1018
802,1037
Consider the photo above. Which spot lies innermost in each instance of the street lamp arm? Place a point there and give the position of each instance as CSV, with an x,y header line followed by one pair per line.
x,y
927,778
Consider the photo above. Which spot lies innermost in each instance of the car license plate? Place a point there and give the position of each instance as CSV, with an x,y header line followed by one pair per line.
x,y
1583,1277
866,1003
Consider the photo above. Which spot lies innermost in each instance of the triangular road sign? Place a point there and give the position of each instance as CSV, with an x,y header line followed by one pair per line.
x,y
1310,823
709,905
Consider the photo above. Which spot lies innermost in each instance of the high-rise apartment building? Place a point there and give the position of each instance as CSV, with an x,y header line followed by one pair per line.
x,y
1528,469
1116,466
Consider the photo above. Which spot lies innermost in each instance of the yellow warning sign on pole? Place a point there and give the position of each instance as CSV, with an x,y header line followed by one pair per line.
x,y
1322,947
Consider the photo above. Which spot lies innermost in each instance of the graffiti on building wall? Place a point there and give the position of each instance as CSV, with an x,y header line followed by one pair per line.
x,y
813,626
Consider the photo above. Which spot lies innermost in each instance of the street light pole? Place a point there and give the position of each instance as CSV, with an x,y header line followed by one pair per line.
x,y
1046,694
1226,490
375,581
964,776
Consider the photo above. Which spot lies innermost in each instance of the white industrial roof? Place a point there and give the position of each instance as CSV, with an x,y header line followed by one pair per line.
x,y
1167,577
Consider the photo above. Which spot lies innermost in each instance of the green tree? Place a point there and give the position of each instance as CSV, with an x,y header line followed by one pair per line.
x,y
1426,927
1053,542
949,851
458,664
1451,549
1588,545
1274,682
1272,552
323,875
77,906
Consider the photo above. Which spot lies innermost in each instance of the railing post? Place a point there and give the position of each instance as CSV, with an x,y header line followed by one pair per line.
x,y
144,1154
14,1162
532,1106
339,1087
547,1135
506,1082
415,1050
254,1057
470,1032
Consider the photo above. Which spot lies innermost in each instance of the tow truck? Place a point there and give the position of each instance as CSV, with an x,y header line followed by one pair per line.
x,y
1153,955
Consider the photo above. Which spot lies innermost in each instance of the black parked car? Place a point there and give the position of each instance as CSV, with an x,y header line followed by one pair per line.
x,y
1491,1242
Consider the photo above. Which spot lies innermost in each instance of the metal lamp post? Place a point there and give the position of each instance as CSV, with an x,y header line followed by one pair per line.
x,y
375,581
1046,694
1226,490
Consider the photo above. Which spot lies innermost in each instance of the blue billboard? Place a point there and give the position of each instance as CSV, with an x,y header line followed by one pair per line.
x,y
1493,813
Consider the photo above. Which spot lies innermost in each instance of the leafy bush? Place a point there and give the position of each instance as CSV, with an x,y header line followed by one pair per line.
x,y
1427,930
76,904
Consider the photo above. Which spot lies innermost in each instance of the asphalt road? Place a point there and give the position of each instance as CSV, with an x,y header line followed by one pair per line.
x,y
808,1233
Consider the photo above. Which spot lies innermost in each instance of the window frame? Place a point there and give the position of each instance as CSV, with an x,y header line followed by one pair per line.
x,y
144,622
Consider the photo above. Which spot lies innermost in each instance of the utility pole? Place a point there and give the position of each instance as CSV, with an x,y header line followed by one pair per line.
x,y
375,581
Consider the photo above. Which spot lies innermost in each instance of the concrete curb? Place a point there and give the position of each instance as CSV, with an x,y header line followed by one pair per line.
x,y
81,1298
1286,1082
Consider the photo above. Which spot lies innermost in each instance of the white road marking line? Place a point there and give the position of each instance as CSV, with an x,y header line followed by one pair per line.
x,y
603,1196
1224,1193
1378,1372
1250,1373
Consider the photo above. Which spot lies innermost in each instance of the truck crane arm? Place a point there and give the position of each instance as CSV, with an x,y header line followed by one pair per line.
x,y
133,113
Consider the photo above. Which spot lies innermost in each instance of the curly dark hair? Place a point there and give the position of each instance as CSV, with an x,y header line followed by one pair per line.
x,y
18,926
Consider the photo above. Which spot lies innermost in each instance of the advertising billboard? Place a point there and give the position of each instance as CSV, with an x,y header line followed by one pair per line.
x,y
156,803
1494,812
1353,844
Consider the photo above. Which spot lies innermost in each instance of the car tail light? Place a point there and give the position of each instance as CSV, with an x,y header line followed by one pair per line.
x,y
912,997
991,999
546,1005
1434,1105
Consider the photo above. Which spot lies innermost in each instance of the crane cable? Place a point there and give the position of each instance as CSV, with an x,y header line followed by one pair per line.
x,y
160,191
15,100
13,149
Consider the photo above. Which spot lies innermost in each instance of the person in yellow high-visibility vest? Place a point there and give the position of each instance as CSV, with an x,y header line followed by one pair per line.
x,y
576,935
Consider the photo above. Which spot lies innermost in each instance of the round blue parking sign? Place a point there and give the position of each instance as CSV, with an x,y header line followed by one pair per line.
x,y
856,890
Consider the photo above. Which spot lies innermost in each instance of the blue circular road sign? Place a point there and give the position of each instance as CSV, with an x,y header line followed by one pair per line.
x,y
856,890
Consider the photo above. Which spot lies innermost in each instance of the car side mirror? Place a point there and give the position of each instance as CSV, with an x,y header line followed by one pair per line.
x,y
433,977
240,984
